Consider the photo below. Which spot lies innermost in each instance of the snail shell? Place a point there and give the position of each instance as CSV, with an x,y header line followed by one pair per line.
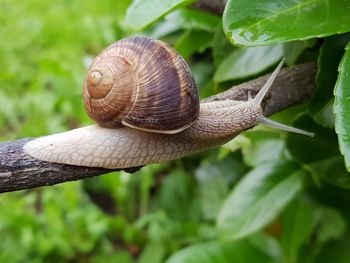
x,y
141,83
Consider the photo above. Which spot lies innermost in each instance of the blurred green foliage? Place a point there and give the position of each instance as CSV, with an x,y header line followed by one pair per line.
x,y
266,196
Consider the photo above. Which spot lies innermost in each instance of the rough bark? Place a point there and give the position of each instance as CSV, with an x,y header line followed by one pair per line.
x,y
19,171
212,6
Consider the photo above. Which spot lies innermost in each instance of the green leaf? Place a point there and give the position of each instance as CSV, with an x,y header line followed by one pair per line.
x,y
292,50
307,226
179,202
332,226
220,252
320,155
203,73
162,29
299,221
258,199
262,142
221,47
245,62
267,243
120,257
212,181
332,170
141,13
337,251
325,115
255,144
309,150
256,22
193,41
122,7
331,52
154,252
194,19
342,107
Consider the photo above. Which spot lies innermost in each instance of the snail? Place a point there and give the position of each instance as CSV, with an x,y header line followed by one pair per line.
x,y
144,99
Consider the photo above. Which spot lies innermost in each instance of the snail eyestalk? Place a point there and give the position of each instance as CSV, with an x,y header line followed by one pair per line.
x,y
263,91
261,95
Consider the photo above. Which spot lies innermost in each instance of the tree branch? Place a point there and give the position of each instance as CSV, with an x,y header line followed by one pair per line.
x,y
19,171
212,6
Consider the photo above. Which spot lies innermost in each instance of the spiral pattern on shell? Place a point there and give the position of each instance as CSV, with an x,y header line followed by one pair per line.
x,y
141,83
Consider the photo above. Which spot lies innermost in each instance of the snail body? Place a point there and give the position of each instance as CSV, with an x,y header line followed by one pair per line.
x,y
129,136
127,147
